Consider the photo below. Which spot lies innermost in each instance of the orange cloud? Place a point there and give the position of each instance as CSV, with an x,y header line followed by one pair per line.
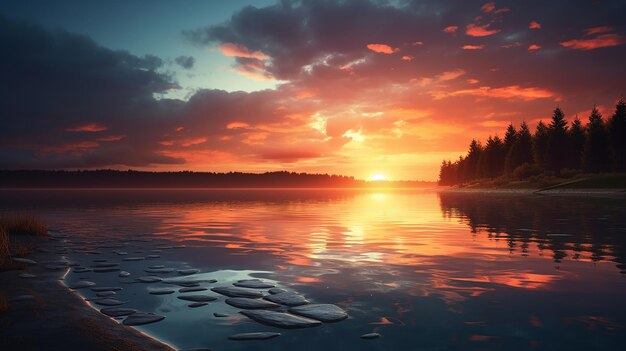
x,y
472,81
90,127
450,75
473,47
508,92
488,7
70,147
238,50
474,30
237,125
407,58
598,30
382,48
601,41
451,29
534,25
112,137
534,47
418,43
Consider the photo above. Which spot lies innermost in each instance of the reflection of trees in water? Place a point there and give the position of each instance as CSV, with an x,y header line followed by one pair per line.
x,y
567,227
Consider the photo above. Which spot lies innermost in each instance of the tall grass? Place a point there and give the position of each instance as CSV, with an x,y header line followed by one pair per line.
x,y
11,229
23,225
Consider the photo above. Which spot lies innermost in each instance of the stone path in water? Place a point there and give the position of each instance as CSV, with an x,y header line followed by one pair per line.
x,y
259,300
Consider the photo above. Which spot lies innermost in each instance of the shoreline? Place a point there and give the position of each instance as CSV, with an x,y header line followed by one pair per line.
x,y
70,322
539,191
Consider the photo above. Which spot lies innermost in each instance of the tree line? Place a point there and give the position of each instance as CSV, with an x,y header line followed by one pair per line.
x,y
555,149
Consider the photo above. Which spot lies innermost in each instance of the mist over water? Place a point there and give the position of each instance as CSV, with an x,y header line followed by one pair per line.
x,y
425,270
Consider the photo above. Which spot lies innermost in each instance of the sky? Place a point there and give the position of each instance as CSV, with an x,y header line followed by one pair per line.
x,y
356,87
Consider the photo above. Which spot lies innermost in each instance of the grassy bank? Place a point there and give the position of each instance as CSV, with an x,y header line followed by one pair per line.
x,y
16,238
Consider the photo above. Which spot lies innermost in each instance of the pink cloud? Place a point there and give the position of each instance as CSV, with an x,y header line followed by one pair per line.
x,y
253,69
237,125
451,29
601,41
112,137
418,43
239,50
488,7
89,127
407,58
508,92
473,47
534,47
382,48
474,30
598,30
534,25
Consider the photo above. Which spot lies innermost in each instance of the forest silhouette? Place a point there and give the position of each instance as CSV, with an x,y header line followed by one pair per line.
x,y
555,149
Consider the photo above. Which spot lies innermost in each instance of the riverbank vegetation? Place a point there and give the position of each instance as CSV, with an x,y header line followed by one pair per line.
x,y
16,234
554,153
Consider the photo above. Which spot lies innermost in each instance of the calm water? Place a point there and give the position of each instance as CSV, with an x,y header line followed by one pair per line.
x,y
428,271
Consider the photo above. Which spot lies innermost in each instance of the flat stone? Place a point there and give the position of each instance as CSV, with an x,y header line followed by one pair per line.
x,y
197,304
81,270
220,315
322,312
27,275
163,291
159,270
153,256
117,311
123,274
187,282
22,260
105,265
186,290
274,291
287,299
280,319
188,271
149,279
370,336
156,266
250,304
105,293
19,298
109,302
106,270
81,284
254,336
141,318
133,258
237,292
106,288
253,284
197,298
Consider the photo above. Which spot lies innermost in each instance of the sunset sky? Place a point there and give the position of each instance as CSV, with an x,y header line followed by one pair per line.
x,y
348,87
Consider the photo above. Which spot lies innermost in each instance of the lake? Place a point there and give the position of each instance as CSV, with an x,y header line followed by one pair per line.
x,y
426,270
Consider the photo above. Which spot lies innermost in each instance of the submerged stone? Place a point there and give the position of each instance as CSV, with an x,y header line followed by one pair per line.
x,y
196,289
163,291
109,302
105,293
220,315
321,312
197,298
149,279
251,304
106,288
370,336
117,311
197,304
287,299
106,270
105,265
123,274
280,319
159,270
23,260
237,292
81,270
254,284
254,336
133,258
27,275
141,318
274,291
81,284
188,271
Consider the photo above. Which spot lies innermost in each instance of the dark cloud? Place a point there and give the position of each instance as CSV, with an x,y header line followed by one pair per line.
x,y
185,62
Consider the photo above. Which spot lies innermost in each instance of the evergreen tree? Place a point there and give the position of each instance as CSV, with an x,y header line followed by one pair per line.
x,y
596,150
521,152
556,148
470,171
576,136
618,136
540,145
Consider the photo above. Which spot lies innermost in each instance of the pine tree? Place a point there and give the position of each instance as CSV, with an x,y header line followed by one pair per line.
x,y
521,152
596,151
576,136
540,145
471,161
618,136
556,148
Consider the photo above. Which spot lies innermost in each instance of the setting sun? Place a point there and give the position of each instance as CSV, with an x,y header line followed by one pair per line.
x,y
378,177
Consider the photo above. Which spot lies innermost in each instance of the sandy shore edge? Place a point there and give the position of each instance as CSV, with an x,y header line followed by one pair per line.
x,y
43,314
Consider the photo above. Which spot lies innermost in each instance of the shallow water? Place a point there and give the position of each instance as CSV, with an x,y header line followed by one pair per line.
x,y
427,271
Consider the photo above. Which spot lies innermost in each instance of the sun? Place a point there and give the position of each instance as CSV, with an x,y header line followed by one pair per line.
x,y
378,177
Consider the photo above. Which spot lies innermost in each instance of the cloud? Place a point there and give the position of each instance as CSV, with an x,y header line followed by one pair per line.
x,y
508,92
89,127
601,41
598,30
474,30
185,62
382,48
239,50
534,25
451,29
407,58
534,47
488,7
473,47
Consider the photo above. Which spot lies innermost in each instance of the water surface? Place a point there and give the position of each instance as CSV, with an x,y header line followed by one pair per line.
x,y
427,271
